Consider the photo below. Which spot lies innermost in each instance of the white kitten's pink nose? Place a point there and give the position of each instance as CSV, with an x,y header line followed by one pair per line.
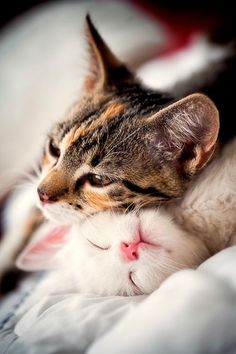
x,y
130,250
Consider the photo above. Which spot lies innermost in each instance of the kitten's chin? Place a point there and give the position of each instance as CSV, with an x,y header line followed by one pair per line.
x,y
61,214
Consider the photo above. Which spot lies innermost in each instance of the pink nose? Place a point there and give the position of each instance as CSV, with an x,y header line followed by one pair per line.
x,y
130,250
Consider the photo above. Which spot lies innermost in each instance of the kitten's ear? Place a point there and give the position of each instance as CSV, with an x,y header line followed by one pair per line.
x,y
105,70
188,131
41,253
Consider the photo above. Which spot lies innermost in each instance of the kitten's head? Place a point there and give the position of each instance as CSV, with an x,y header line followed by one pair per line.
x,y
117,254
122,144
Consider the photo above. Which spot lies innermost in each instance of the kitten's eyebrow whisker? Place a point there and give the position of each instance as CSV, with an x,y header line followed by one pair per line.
x,y
126,138
114,139
111,154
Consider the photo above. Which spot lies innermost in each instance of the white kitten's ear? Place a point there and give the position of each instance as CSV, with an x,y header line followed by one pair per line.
x,y
188,131
41,254
105,69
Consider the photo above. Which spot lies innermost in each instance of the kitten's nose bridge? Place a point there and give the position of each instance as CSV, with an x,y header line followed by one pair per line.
x,y
54,186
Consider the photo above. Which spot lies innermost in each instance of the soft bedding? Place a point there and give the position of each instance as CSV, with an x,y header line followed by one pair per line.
x,y
194,311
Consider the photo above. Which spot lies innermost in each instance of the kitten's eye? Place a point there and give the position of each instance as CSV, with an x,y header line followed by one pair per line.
x,y
98,180
53,149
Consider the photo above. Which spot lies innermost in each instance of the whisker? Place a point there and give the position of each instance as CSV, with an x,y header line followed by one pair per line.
x,y
114,139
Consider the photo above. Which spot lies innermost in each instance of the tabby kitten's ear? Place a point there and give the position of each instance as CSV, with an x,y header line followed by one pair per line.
x,y
188,131
105,70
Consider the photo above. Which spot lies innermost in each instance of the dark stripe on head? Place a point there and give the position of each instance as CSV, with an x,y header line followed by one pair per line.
x,y
87,118
150,190
95,160
145,101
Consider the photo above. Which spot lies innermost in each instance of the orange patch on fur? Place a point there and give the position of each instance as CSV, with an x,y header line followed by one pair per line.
x,y
98,201
69,138
110,113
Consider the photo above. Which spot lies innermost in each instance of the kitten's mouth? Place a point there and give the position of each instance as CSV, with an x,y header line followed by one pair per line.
x,y
97,246
131,278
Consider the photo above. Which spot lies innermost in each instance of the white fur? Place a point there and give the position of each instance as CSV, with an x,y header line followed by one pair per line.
x,y
107,271
207,212
209,207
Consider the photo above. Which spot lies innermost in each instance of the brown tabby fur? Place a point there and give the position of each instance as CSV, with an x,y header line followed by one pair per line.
x,y
148,145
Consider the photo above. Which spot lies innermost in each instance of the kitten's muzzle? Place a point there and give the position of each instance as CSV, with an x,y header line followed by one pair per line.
x,y
54,187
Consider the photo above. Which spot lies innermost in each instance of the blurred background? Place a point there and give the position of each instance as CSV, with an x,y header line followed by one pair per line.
x,y
43,59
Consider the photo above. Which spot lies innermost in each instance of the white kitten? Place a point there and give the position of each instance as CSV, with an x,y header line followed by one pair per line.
x,y
133,253
116,254
105,256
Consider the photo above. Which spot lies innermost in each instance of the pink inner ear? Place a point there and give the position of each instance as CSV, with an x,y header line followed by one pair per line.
x,y
39,255
54,237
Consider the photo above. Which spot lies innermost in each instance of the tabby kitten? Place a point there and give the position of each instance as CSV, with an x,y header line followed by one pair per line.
x,y
123,145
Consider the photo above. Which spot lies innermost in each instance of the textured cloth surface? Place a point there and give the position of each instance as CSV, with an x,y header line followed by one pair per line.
x,y
193,312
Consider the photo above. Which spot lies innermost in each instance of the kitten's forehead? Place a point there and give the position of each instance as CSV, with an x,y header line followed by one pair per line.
x,y
97,121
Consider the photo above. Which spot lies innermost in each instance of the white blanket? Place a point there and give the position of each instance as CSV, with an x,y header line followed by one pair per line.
x,y
193,312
